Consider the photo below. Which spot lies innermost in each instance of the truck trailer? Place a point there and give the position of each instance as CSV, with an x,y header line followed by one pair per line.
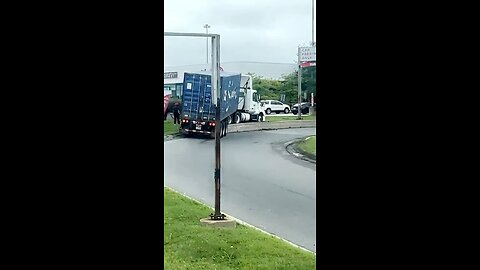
x,y
238,103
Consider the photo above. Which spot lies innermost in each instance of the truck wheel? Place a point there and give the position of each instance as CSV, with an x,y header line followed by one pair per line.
x,y
236,118
226,129
229,119
268,111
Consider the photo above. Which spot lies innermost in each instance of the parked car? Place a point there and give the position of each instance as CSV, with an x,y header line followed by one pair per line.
x,y
304,108
270,106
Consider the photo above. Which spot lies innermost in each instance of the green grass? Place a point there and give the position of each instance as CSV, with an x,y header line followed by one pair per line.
x,y
169,128
189,245
289,118
309,145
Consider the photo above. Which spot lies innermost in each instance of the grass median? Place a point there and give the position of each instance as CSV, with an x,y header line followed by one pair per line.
x,y
169,128
309,145
189,245
289,118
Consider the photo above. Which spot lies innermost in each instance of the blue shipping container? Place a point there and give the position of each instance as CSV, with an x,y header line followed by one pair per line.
x,y
197,98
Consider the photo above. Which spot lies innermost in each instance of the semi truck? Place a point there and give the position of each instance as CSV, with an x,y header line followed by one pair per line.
x,y
238,103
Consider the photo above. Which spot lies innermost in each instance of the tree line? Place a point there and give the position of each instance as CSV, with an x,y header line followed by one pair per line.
x,y
288,86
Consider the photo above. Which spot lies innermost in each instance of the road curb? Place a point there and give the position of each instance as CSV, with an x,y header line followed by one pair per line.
x,y
292,149
246,127
170,137
239,221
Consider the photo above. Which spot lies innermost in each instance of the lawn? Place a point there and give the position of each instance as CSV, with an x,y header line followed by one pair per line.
x,y
189,245
289,118
169,128
309,145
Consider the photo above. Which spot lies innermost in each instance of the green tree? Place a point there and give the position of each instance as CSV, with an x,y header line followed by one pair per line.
x,y
288,85
266,88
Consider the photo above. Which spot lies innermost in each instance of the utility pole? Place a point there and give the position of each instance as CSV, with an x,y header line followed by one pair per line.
x,y
299,85
206,26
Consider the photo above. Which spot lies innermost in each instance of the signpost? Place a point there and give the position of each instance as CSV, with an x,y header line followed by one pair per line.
x,y
217,215
307,57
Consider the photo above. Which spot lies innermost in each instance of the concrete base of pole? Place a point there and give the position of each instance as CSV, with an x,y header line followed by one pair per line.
x,y
223,223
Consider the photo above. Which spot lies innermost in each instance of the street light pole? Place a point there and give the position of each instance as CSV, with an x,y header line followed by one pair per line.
x,y
206,26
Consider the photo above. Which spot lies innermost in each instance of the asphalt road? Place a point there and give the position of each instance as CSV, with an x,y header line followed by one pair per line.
x,y
260,182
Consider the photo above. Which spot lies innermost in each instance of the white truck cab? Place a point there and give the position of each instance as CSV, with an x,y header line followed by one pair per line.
x,y
249,108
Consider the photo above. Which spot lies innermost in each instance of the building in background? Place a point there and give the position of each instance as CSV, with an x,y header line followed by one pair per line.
x,y
173,83
173,75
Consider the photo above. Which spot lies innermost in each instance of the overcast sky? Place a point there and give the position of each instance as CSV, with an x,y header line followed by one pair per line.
x,y
250,30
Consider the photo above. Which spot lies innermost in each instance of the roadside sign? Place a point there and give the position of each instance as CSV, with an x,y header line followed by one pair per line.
x,y
308,54
308,64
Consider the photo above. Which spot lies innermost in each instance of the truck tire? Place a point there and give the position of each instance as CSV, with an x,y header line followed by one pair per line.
x,y
237,118
268,111
229,119
226,129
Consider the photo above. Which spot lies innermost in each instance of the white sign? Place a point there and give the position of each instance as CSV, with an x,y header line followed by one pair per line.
x,y
307,54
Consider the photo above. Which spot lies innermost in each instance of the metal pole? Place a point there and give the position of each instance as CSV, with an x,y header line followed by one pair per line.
x,y
206,26
299,86
214,74
216,82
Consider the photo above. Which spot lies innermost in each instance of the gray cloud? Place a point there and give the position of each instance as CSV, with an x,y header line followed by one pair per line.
x,y
261,30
